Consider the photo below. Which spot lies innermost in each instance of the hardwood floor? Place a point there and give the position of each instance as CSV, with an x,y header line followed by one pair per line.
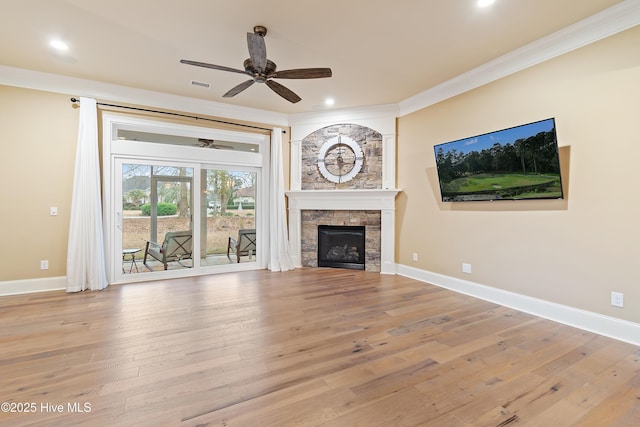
x,y
310,347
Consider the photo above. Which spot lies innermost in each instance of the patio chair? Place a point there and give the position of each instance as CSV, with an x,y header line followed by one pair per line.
x,y
177,246
245,245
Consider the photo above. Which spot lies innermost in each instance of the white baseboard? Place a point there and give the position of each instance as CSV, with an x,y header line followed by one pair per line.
x,y
28,286
612,327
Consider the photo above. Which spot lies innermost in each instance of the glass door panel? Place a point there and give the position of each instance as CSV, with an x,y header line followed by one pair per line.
x,y
229,205
157,219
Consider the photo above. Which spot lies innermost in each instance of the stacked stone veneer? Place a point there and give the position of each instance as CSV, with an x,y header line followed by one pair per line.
x,y
369,177
370,219
370,142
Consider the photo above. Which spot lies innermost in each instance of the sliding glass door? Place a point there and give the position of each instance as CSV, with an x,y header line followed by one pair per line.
x,y
177,206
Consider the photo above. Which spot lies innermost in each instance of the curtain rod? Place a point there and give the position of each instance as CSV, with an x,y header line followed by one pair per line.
x,y
75,100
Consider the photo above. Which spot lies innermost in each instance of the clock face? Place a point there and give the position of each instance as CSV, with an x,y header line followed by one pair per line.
x,y
340,159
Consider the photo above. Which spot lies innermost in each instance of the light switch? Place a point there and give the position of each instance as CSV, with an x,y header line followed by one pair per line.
x,y
53,211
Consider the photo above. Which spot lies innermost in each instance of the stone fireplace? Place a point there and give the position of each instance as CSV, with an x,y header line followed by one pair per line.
x,y
366,200
374,209
369,220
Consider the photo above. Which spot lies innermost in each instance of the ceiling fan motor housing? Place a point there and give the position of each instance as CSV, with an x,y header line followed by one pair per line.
x,y
260,30
260,77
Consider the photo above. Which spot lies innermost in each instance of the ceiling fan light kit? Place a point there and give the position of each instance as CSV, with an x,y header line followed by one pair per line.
x,y
262,70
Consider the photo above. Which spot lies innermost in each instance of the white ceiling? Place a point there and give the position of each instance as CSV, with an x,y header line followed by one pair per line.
x,y
381,52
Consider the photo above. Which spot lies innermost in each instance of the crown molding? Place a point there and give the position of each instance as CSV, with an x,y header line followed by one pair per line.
x,y
611,21
77,87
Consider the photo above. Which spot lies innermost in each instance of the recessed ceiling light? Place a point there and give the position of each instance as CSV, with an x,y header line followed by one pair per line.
x,y
58,44
485,3
329,102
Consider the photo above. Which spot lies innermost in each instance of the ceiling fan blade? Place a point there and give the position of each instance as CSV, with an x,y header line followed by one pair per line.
x,y
257,51
237,89
215,67
283,91
302,73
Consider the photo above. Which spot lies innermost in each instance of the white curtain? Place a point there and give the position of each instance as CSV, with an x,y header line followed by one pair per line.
x,y
85,252
279,256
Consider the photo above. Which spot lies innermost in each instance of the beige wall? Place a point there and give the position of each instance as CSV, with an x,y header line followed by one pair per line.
x,y
37,146
573,252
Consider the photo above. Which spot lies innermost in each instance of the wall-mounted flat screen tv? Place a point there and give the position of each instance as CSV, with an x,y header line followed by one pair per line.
x,y
511,164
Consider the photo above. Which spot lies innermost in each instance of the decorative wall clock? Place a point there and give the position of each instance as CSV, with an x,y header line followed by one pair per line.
x,y
340,159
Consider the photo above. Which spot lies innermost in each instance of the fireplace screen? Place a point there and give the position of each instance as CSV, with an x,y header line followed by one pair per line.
x,y
341,246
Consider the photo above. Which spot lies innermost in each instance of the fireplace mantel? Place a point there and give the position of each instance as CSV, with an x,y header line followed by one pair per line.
x,y
372,200
382,200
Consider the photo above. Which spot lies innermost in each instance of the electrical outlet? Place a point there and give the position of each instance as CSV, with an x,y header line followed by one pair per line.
x,y
415,256
617,299
44,264
466,268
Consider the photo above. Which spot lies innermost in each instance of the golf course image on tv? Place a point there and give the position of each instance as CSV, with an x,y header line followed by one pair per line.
x,y
510,164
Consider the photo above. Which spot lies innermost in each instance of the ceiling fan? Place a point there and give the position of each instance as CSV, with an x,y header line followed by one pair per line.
x,y
210,143
263,70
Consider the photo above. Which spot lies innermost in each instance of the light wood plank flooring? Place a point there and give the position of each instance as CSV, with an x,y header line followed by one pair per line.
x,y
310,347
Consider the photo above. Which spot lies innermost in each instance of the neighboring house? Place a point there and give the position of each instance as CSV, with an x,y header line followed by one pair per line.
x,y
244,195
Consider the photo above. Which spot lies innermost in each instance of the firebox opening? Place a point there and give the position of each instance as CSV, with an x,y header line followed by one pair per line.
x,y
341,246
